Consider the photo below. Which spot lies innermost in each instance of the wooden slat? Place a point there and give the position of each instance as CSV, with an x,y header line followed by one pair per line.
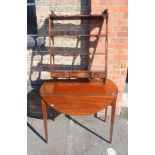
x,y
89,35
65,53
77,74
73,74
70,17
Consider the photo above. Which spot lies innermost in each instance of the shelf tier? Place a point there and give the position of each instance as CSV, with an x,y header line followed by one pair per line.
x,y
66,53
77,74
72,17
85,35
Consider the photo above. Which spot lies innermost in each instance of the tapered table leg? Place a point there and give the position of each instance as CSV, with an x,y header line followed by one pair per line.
x,y
106,114
112,119
44,118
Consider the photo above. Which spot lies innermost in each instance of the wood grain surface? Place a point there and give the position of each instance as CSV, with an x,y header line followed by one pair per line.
x,y
78,98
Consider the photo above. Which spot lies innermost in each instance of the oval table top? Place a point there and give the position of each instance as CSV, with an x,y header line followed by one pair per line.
x,y
78,97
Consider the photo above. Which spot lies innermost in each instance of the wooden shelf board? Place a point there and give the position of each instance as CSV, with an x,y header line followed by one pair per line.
x,y
70,17
77,74
86,35
75,53
84,71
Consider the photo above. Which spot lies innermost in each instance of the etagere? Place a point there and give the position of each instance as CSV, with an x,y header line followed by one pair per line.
x,y
55,73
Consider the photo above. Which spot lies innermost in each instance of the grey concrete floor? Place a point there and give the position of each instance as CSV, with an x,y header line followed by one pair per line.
x,y
77,136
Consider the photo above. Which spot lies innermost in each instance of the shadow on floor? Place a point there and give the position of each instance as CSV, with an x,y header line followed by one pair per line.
x,y
34,107
36,132
103,120
86,128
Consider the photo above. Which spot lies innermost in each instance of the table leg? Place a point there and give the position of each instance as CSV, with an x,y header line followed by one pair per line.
x,y
106,114
95,115
44,118
112,119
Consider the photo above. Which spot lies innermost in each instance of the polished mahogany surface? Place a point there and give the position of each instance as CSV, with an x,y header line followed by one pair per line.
x,y
78,97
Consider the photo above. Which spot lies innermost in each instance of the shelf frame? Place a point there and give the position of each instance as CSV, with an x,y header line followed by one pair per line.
x,y
77,73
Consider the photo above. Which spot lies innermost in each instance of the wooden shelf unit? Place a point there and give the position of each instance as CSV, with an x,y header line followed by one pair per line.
x,y
80,73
